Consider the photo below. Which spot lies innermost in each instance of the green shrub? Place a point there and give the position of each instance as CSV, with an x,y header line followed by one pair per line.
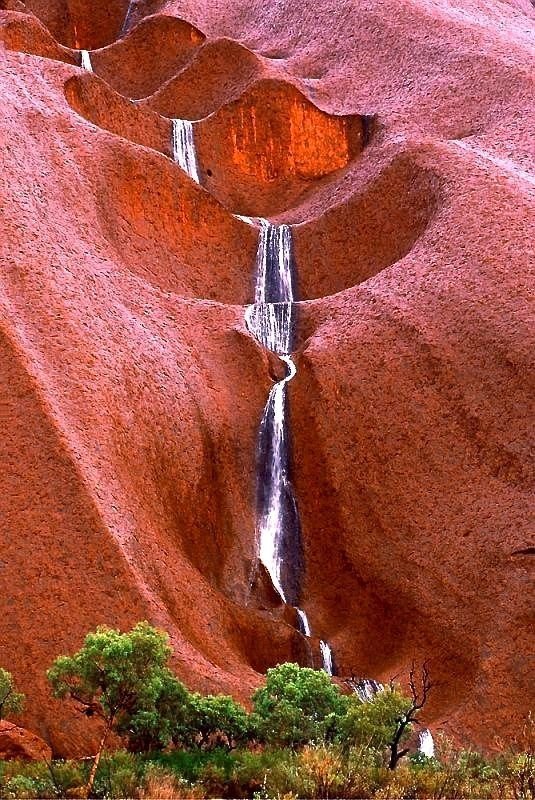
x,y
297,706
119,676
123,678
67,775
218,720
170,717
11,701
27,787
120,775
188,764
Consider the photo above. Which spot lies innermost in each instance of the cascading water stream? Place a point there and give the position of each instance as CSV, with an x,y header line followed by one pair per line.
x,y
327,657
366,688
304,624
426,743
85,60
270,320
184,148
126,19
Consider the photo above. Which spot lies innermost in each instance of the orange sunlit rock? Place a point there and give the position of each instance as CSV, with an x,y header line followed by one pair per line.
x,y
70,23
148,56
261,153
219,73
24,33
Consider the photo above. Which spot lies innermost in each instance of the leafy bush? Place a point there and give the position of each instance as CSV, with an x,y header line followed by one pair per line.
x,y
11,701
67,776
297,706
218,720
188,764
28,779
120,775
124,679
115,675
22,786
322,771
169,717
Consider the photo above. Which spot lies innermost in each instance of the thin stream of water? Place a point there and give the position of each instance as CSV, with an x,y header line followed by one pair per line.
x,y
184,153
85,60
270,320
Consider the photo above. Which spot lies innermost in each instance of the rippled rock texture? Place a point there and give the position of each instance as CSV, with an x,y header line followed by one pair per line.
x,y
396,139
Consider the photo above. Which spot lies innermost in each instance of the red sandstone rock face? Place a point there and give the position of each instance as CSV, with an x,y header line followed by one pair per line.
x,y
131,392
21,744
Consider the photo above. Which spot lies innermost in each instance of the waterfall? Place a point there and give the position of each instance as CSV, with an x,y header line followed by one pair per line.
x,y
304,624
85,60
271,320
327,657
271,324
426,744
366,688
126,20
279,531
274,281
184,148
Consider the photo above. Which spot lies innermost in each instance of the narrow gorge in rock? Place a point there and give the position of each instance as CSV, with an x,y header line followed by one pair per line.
x,y
266,352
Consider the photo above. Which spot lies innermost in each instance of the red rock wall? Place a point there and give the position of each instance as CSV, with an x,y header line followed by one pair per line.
x,y
131,392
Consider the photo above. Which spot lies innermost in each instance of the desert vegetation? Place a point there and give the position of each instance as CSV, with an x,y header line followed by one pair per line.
x,y
301,737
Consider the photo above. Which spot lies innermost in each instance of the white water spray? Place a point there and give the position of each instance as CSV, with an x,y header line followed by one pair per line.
x,y
184,148
85,60
303,622
366,688
270,322
326,657
426,744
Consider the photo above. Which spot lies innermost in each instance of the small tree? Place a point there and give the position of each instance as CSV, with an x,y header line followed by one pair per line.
x,y
115,676
11,701
296,706
405,721
385,721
